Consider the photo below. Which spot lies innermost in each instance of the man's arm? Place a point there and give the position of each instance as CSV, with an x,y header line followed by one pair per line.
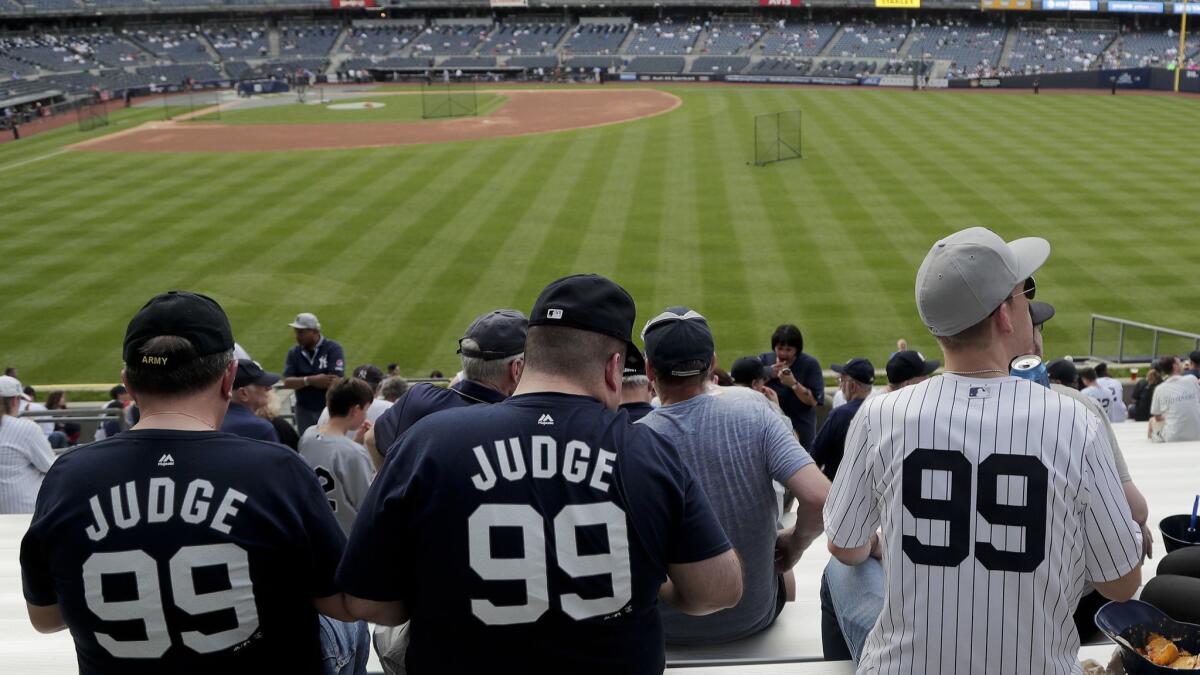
x,y
334,606
391,613
46,619
1141,513
704,587
851,510
811,489
1121,589
1113,547
369,443
858,554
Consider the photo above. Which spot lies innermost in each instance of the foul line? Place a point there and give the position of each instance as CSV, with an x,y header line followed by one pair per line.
x,y
23,162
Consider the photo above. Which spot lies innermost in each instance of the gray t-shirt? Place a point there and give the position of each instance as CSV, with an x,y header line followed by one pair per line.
x,y
735,447
344,470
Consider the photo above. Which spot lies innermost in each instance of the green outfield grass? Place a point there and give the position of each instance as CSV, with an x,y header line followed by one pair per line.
x,y
403,107
397,249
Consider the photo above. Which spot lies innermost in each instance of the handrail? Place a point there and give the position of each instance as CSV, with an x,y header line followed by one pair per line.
x,y
1122,324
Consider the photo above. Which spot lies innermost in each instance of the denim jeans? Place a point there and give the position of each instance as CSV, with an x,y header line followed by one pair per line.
x,y
345,647
854,595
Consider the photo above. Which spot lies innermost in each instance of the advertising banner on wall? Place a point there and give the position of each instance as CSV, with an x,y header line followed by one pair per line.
x,y
898,4
1023,5
1070,5
1135,7
338,4
509,3
1192,7
779,3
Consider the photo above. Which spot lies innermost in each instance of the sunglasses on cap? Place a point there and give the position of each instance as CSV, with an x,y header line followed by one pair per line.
x,y
667,317
1030,289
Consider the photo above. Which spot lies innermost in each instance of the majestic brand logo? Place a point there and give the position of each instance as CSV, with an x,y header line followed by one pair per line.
x,y
546,420
166,460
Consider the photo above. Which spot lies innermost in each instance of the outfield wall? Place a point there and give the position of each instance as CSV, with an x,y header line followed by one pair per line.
x,y
1156,79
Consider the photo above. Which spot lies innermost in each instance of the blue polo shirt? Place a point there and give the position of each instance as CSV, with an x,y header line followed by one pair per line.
x,y
830,444
423,400
807,372
326,358
241,421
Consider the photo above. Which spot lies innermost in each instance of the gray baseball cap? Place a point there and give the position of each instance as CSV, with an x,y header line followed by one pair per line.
x,y
967,275
306,321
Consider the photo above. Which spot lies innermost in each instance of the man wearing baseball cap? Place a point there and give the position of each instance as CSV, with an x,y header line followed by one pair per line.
x,y
907,368
997,499
856,379
25,454
493,356
313,365
535,535
251,391
737,447
174,547
636,392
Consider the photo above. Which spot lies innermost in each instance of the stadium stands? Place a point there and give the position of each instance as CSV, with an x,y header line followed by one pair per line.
x,y
307,40
1054,50
664,37
468,62
839,68
596,39
380,40
239,41
870,39
719,64
14,68
518,39
590,62
804,39
1139,48
546,62
49,51
726,39
784,67
971,50
176,44
450,39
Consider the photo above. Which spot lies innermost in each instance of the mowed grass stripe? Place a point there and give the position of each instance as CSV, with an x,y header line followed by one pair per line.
x,y
539,217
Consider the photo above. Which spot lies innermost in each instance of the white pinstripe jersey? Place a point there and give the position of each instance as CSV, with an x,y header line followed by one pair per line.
x,y
997,499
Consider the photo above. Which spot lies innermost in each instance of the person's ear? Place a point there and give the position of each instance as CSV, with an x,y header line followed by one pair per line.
x,y
516,369
1003,319
650,371
128,389
613,370
227,380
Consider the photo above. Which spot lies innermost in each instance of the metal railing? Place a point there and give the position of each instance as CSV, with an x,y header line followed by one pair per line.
x,y
1132,347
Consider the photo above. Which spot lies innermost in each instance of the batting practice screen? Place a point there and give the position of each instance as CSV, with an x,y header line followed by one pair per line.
x,y
777,136
449,99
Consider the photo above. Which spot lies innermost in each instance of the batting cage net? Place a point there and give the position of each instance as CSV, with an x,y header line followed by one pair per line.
x,y
777,136
92,113
449,98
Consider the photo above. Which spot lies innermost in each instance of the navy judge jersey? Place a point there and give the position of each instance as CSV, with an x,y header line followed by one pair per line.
x,y
530,536
184,552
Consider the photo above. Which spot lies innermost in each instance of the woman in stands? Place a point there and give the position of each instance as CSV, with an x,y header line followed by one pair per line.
x,y
1143,394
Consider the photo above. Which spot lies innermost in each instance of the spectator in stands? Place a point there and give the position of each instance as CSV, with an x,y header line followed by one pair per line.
x,y
10,371
283,428
313,365
29,405
342,465
1175,407
1118,413
636,392
393,370
856,379
1101,395
749,372
118,399
736,448
251,392
1143,394
65,433
436,375
908,367
392,388
1193,364
25,454
373,376
651,522
797,380
493,356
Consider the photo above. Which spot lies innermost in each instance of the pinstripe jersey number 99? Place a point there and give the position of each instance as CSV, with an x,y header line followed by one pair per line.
x,y
955,511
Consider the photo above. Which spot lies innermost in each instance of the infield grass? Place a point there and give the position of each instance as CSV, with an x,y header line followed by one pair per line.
x,y
387,107
397,249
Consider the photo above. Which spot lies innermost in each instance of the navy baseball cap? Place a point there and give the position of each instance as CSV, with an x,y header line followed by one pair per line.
x,y
859,370
635,364
1062,370
587,302
1040,312
194,317
498,334
748,369
677,336
369,373
249,372
906,365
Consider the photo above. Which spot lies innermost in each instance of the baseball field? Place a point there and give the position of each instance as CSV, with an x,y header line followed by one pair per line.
x,y
397,248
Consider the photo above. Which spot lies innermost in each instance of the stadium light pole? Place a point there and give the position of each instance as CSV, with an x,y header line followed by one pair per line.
x,y
1182,43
